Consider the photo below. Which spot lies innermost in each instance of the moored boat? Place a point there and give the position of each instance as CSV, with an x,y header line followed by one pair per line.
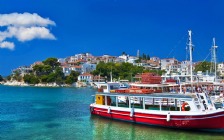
x,y
164,109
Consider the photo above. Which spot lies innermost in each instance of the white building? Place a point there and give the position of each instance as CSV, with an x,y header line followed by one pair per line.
x,y
220,69
88,67
170,65
185,68
132,59
86,77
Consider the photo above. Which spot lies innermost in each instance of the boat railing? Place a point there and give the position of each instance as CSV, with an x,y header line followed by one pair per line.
x,y
146,103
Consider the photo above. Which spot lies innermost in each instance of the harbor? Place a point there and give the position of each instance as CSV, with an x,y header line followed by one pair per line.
x,y
63,113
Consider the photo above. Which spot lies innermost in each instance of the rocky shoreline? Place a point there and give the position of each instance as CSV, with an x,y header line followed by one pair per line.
x,y
16,83
23,84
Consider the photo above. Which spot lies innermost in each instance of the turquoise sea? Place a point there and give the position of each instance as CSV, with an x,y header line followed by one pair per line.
x,y
32,113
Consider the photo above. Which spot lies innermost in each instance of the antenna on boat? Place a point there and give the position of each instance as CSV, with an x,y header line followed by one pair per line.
x,y
190,48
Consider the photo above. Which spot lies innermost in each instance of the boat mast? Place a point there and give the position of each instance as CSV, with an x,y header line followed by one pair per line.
x,y
111,76
190,48
214,47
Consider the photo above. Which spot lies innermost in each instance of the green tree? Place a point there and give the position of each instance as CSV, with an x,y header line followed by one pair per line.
x,y
44,79
53,62
51,78
73,77
17,76
202,66
9,77
119,70
159,72
40,70
1,78
31,79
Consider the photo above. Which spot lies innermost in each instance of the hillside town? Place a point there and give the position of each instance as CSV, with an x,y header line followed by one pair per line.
x,y
85,63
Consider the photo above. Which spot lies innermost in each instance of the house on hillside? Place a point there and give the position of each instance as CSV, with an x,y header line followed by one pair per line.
x,y
86,77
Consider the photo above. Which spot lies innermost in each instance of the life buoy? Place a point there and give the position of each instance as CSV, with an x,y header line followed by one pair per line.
x,y
132,112
183,106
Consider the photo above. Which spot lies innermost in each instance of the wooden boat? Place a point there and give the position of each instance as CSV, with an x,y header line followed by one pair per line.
x,y
164,109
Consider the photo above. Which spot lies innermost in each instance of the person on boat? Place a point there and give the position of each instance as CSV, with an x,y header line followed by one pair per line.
x,y
108,101
205,106
127,101
199,90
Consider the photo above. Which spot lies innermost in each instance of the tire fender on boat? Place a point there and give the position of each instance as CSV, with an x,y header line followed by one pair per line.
x,y
91,109
132,112
108,111
168,117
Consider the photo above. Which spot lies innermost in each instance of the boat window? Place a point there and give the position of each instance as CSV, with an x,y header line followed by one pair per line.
x,y
166,104
152,104
114,87
136,102
113,100
123,101
108,98
218,105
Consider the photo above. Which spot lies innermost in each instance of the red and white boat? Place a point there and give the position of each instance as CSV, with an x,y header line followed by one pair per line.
x,y
164,109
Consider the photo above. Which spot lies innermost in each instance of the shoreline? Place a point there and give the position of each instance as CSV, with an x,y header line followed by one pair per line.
x,y
22,84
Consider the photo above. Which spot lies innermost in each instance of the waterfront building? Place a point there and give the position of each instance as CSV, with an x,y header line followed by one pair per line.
x,y
86,77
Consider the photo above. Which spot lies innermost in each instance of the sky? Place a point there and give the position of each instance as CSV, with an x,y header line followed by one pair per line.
x,y
34,30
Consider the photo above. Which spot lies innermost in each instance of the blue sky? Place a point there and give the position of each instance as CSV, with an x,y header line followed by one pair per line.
x,y
33,30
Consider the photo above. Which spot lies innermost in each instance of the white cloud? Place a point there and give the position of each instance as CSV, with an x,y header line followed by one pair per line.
x,y
27,34
7,45
25,19
24,27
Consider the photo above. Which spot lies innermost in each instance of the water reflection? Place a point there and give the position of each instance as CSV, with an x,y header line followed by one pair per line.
x,y
104,128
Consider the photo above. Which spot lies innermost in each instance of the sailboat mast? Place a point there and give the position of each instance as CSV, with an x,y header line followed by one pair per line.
x,y
111,76
190,48
214,47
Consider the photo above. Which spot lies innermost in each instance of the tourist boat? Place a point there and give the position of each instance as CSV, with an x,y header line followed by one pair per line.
x,y
164,109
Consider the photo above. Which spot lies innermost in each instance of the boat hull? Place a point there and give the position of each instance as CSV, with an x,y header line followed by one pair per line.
x,y
212,121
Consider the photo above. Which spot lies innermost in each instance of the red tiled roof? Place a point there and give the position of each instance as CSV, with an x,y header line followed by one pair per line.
x,y
86,74
77,66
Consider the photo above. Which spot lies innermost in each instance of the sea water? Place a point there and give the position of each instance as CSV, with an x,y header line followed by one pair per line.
x,y
34,113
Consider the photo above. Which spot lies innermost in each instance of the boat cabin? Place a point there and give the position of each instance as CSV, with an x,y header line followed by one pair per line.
x,y
162,101
111,87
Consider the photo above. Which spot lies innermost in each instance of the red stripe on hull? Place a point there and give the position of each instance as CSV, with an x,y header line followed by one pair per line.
x,y
210,121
